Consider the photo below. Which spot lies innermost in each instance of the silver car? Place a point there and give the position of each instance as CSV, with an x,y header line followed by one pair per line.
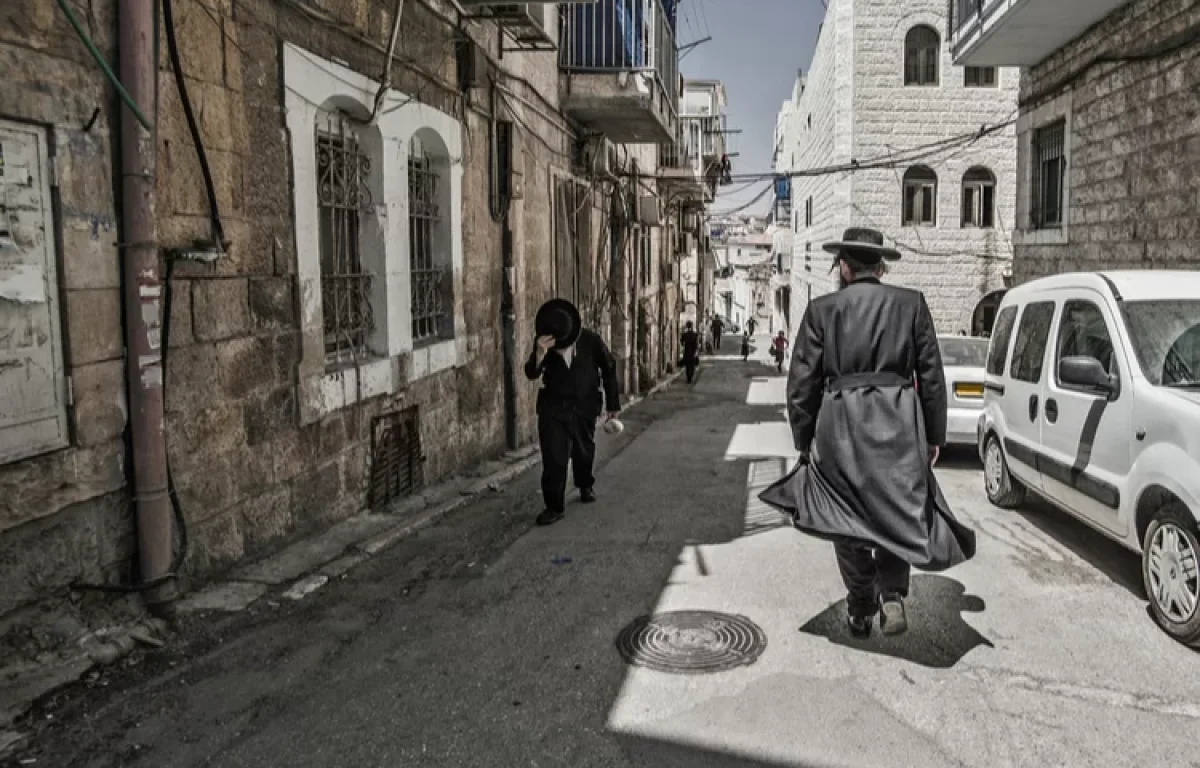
x,y
963,359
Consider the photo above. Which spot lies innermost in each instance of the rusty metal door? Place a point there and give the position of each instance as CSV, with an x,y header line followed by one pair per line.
x,y
33,411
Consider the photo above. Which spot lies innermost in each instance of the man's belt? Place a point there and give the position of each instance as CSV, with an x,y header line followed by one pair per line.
x,y
878,379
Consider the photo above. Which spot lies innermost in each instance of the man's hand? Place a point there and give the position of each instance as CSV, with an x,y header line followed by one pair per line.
x,y
544,343
934,452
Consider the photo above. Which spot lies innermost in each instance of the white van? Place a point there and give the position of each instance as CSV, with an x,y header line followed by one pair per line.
x,y
1092,401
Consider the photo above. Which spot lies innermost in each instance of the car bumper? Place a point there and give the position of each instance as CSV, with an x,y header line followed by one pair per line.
x,y
962,426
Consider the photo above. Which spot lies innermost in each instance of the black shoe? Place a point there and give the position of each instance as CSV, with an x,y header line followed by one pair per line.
x,y
892,618
549,517
587,495
860,626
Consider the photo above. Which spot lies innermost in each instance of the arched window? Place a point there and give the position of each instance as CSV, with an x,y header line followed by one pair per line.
x,y
920,197
922,52
979,198
430,247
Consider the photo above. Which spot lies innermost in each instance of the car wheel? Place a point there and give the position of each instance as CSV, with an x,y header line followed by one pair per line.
x,y
1171,572
1003,490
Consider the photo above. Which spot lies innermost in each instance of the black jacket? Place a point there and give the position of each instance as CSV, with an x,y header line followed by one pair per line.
x,y
866,398
866,327
578,387
691,343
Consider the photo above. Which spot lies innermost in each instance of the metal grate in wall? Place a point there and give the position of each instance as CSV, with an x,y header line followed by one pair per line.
x,y
396,457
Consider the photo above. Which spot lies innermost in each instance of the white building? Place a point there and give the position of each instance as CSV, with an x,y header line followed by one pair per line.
x,y
746,265
882,90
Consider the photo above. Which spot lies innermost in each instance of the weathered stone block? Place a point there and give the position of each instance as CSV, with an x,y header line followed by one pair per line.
x,y
191,381
215,429
180,182
43,485
100,405
216,544
272,302
266,519
181,313
94,325
220,308
253,472
269,416
316,494
90,257
206,488
246,365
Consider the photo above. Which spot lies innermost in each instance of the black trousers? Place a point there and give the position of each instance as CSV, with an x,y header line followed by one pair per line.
x,y
869,572
717,339
568,436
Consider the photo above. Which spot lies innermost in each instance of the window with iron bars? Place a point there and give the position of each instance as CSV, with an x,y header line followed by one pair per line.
x,y
343,200
1049,169
645,255
431,305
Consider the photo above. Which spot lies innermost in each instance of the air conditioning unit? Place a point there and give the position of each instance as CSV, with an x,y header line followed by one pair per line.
x,y
531,24
648,211
595,158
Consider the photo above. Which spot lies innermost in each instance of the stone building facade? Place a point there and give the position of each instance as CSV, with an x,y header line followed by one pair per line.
x,y
357,307
887,120
1108,118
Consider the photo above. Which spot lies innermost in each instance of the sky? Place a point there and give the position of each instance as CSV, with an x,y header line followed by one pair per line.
x,y
756,48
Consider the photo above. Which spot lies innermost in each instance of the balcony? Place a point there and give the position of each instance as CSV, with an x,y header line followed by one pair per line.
x,y
621,69
1019,33
679,173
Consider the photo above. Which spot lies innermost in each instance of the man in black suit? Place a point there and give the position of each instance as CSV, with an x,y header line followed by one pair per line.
x,y
866,361
579,381
691,350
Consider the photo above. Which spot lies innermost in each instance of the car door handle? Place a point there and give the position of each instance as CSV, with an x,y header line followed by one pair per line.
x,y
1033,407
1051,410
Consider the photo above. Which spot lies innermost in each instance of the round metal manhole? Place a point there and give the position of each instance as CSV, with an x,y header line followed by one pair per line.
x,y
691,642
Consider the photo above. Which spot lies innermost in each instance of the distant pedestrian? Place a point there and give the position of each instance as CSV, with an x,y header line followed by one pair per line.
x,y
745,346
750,325
691,350
718,328
779,347
868,437
579,382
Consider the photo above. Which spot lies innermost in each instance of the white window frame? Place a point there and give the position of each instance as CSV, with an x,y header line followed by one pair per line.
x,y
312,85
920,219
1059,108
978,189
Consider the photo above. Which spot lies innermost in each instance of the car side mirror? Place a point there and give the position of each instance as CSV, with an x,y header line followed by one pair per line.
x,y
1087,372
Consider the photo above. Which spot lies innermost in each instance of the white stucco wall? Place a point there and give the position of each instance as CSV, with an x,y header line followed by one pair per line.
x,y
861,109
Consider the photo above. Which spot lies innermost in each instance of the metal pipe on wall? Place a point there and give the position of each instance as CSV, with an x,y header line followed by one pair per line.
x,y
143,301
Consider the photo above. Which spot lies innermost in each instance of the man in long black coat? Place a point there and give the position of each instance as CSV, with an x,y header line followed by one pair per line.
x,y
576,368
690,341
866,399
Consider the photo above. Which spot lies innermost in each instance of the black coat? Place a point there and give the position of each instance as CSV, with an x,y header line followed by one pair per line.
x,y
691,345
587,386
853,407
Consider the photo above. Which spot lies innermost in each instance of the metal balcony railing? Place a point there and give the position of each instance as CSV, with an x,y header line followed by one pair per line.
x,y
621,36
672,156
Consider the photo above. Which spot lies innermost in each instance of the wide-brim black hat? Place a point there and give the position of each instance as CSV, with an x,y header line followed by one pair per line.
x,y
561,319
864,246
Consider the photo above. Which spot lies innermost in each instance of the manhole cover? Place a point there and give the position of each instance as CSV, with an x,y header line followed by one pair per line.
x,y
691,642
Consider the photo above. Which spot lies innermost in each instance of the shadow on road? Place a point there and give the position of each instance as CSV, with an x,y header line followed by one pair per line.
x,y
937,635
647,751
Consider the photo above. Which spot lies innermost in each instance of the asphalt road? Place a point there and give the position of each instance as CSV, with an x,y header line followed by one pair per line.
x,y
487,642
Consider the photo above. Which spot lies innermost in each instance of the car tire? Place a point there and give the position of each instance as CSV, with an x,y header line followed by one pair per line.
x,y
1003,490
1171,562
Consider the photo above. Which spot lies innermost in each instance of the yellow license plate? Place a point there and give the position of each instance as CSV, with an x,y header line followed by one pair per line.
x,y
968,390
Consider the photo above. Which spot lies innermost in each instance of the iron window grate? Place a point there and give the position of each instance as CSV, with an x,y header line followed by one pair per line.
x,y
396,457
343,198
1049,167
430,279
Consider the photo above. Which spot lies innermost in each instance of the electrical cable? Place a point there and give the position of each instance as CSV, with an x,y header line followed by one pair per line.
x,y
108,73
214,212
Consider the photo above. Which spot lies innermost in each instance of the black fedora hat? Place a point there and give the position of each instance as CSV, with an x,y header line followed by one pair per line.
x,y
864,246
559,318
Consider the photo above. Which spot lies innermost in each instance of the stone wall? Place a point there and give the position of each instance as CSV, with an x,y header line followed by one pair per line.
x,y
954,266
1133,146
64,516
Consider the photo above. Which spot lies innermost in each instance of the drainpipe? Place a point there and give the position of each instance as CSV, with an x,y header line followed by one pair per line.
x,y
143,303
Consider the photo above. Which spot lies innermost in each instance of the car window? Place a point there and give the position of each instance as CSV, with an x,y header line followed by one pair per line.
x,y
1083,332
1029,352
968,353
1165,335
1001,335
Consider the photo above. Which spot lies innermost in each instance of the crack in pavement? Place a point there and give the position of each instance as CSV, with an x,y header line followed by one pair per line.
x,y
1110,697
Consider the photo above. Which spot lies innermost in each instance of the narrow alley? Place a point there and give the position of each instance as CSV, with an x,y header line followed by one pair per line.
x,y
484,641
